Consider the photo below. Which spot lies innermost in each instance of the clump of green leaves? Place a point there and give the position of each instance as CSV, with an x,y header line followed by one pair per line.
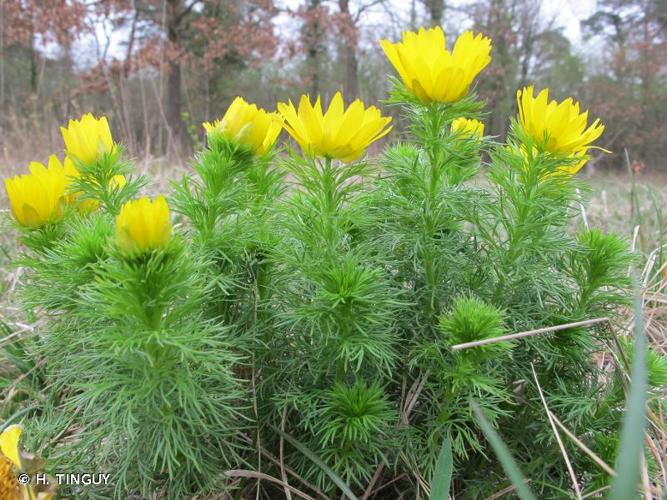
x,y
357,424
471,320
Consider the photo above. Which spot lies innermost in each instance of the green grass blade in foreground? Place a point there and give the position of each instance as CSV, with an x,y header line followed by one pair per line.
x,y
318,461
634,421
442,476
503,453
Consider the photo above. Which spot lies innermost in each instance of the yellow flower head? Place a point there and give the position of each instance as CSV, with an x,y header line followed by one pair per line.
x,y
87,139
143,225
10,463
556,127
67,168
39,197
10,466
9,444
433,73
340,133
465,126
248,125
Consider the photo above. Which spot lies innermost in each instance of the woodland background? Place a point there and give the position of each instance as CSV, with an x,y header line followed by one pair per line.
x,y
158,68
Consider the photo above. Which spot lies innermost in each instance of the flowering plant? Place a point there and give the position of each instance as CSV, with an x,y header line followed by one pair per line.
x,y
319,313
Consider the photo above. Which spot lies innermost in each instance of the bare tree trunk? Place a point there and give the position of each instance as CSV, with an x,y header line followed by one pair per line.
x,y
502,102
33,62
130,131
645,75
144,108
350,41
173,103
436,9
173,97
529,29
312,34
351,72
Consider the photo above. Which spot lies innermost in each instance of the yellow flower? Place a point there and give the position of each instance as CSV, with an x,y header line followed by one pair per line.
x,y
10,463
87,139
66,168
39,197
9,444
430,71
339,133
248,125
143,225
465,126
556,127
10,467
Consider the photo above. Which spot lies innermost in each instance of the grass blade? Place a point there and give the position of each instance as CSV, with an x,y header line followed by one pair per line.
x,y
503,453
318,461
634,421
442,475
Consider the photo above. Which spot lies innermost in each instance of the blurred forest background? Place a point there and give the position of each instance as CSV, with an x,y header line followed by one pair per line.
x,y
158,68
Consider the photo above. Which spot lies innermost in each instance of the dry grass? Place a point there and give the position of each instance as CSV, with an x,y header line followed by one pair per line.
x,y
612,209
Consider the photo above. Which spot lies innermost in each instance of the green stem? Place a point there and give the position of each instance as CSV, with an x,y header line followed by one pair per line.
x,y
523,203
340,371
328,187
433,181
